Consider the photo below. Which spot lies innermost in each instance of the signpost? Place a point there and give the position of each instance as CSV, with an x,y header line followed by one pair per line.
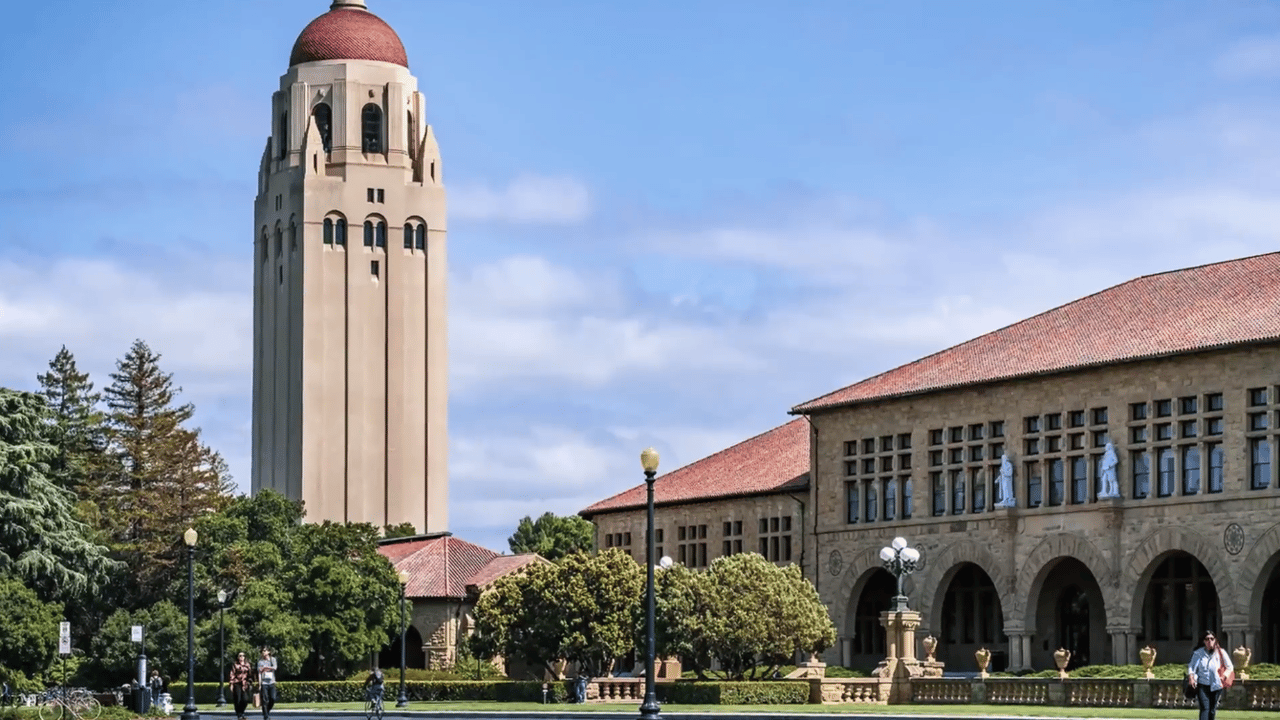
x,y
64,649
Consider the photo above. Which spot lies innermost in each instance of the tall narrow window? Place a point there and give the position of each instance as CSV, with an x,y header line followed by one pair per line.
x,y
368,233
1164,466
408,236
282,137
957,492
1259,463
1141,464
890,499
871,505
328,231
380,234
1056,482
279,241
324,124
1190,469
939,494
293,235
1079,481
978,483
851,498
371,129
1035,485
1216,459
906,498
340,232
411,132
420,237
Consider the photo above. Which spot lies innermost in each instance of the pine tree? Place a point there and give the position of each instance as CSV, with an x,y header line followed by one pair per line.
x,y
41,542
75,425
166,476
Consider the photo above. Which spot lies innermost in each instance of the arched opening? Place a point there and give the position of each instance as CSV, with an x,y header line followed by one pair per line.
x,y
328,231
340,232
323,116
420,237
1180,602
293,235
1269,642
1070,614
279,241
414,655
868,636
371,129
972,619
411,130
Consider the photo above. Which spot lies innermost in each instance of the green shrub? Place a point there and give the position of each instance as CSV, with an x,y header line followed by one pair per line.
x,y
302,691
836,671
1263,671
768,692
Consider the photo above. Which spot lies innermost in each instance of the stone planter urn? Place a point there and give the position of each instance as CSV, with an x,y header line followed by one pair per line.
x,y
1241,656
930,643
1148,657
1062,657
983,656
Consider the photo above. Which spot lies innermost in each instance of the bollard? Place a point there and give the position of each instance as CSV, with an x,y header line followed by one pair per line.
x,y
544,693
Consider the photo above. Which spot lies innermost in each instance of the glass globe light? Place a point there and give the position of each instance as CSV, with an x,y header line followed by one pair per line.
x,y
886,554
190,536
899,543
911,554
649,460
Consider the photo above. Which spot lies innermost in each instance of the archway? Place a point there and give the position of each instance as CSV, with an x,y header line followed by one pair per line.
x,y
868,636
1070,613
1180,602
972,619
414,655
1269,642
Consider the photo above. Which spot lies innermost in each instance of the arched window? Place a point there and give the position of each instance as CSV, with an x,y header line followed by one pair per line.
x,y
328,231
420,237
263,243
408,236
380,235
371,129
282,138
340,233
279,241
368,233
324,124
293,235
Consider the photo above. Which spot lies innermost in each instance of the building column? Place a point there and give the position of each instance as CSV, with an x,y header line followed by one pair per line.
x,y
1121,642
846,651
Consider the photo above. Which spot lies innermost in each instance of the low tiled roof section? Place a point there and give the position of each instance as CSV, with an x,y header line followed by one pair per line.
x,y
1201,308
770,461
438,567
500,566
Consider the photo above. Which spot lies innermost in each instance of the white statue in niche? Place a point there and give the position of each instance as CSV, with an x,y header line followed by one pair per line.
x,y
1006,483
1108,486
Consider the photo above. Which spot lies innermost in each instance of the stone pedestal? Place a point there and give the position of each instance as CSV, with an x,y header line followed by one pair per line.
x,y
901,664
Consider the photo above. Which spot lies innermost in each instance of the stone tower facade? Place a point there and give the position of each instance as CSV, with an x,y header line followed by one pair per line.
x,y
350,367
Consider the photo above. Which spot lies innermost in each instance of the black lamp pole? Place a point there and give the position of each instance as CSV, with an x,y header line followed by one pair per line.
x,y
222,647
403,700
190,711
649,709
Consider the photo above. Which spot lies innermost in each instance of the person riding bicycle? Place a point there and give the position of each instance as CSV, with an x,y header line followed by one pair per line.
x,y
374,684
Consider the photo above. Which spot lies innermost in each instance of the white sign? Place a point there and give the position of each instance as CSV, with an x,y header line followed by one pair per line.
x,y
137,633
64,638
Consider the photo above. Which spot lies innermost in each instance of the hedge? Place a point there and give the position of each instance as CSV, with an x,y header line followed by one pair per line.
x,y
302,691
785,692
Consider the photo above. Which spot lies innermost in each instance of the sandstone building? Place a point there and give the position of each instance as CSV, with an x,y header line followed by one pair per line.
x,y
349,368
1178,374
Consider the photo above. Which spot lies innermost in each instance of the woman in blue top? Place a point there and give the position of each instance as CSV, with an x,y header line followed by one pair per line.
x,y
1203,674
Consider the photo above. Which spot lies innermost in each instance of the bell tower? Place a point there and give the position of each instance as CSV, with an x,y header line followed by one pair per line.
x,y
349,355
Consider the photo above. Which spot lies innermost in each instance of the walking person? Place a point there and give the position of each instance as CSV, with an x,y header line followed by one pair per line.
x,y
241,683
267,681
1209,663
156,685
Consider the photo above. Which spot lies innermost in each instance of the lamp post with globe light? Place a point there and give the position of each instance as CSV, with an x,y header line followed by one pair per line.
x,y
403,700
649,708
901,561
190,711
222,647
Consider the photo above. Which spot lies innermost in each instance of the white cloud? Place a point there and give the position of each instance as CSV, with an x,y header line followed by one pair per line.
x,y
528,199
1257,56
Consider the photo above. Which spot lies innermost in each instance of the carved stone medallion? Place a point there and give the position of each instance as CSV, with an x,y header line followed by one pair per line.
x,y
835,562
1233,538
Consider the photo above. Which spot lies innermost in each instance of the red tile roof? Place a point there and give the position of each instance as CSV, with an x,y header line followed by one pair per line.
x,y
775,460
442,566
1201,308
348,33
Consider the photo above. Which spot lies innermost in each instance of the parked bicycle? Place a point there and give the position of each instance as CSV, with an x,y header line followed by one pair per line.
x,y
76,702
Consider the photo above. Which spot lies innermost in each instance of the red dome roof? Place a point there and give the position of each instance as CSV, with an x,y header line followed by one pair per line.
x,y
348,32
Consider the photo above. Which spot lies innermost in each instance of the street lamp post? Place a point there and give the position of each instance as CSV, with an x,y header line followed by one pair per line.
x,y
190,711
901,561
649,708
403,700
222,647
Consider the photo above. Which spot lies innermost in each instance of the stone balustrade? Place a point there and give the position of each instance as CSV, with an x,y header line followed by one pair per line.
x,y
865,691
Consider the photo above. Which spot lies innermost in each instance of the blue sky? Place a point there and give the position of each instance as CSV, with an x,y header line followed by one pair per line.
x,y
669,221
